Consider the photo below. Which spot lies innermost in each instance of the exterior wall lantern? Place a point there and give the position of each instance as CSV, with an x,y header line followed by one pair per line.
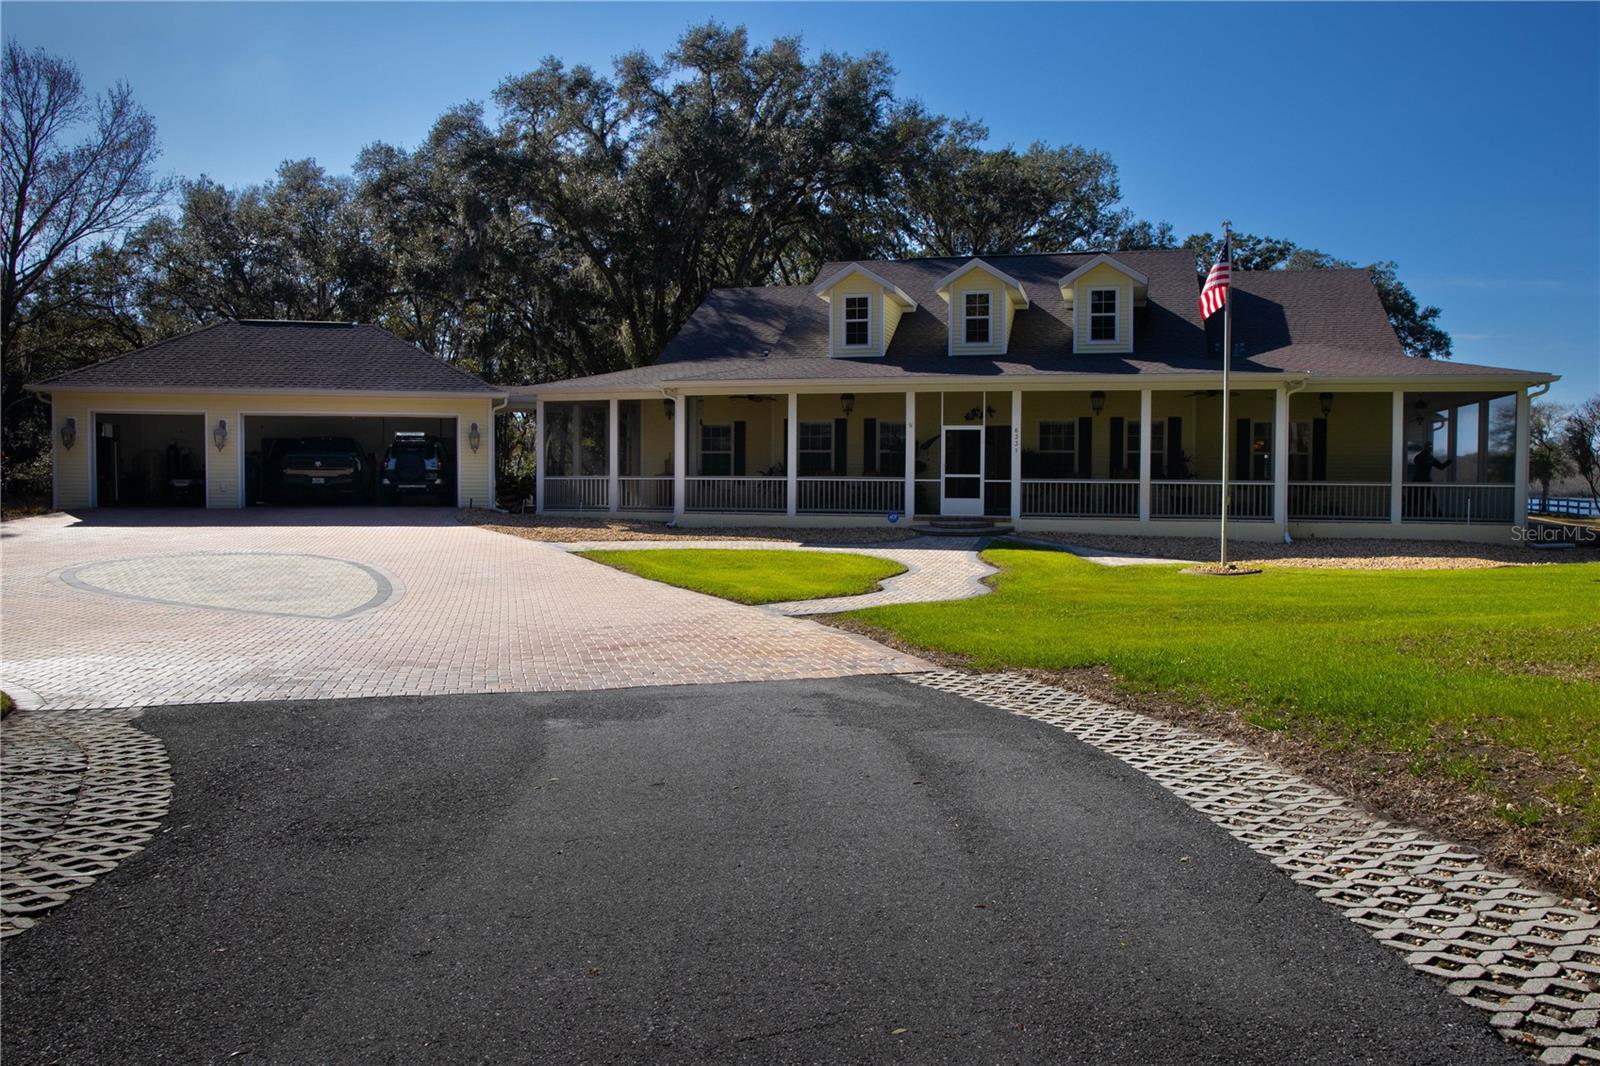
x,y
69,433
667,408
219,436
1097,401
1326,399
474,436
847,402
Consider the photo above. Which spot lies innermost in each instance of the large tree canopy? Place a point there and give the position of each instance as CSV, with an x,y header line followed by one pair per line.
x,y
569,227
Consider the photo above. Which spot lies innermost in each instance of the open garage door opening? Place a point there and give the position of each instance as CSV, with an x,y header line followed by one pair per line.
x,y
327,459
146,460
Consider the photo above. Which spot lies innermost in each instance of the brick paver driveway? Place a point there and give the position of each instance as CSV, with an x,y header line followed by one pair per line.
x,y
149,608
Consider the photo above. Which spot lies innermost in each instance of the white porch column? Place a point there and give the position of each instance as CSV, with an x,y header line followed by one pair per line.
x,y
1146,409
538,455
791,456
680,452
1280,459
910,512
1519,508
612,436
1016,454
1397,456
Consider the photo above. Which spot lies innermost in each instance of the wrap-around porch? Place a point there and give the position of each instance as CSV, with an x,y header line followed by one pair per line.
x,y
1148,457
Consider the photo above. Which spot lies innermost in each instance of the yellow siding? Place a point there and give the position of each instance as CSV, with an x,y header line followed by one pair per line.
x,y
73,480
977,280
1103,276
1358,432
857,286
891,319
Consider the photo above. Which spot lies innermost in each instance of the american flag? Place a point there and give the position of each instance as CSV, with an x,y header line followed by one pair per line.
x,y
1215,291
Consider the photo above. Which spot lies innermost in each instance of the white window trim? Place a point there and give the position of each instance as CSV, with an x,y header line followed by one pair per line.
x,y
965,318
1090,316
703,452
845,320
1133,436
1072,429
801,450
882,425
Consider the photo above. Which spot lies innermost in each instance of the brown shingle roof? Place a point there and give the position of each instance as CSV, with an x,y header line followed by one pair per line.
x,y
251,355
1316,322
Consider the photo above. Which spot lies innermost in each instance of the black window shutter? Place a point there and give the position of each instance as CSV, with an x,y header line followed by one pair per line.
x,y
1119,445
1174,447
738,447
1319,450
1085,444
869,447
841,446
1241,450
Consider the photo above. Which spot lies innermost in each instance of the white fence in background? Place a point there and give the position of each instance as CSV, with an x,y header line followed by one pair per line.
x,y
1079,498
575,494
1457,503
1203,499
644,493
1339,501
851,495
750,494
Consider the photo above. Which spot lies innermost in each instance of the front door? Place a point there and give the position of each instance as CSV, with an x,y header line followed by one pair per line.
x,y
961,480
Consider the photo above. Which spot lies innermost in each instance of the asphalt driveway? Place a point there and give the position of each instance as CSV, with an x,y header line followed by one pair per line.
x,y
841,870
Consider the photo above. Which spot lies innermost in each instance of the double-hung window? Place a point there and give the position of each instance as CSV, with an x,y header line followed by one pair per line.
x,y
1059,438
816,448
857,321
891,448
1102,314
1131,451
1158,449
976,317
716,450
1261,451
1300,451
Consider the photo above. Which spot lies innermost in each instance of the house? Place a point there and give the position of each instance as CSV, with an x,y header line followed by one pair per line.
x,y
194,419
1071,392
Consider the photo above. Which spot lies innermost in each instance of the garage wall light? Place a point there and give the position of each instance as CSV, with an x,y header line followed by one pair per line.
x,y
69,433
219,436
474,436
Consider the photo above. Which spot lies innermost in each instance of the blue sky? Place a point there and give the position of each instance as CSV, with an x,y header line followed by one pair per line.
x,y
1461,141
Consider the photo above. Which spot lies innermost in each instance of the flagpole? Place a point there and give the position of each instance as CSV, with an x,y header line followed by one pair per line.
x,y
1227,358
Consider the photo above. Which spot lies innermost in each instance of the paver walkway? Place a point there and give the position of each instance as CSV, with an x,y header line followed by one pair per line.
x,y
937,568
136,609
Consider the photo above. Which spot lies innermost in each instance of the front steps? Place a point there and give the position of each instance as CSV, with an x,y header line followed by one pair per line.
x,y
965,526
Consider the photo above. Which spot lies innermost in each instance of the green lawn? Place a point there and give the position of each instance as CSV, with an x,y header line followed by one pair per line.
x,y
1466,672
755,576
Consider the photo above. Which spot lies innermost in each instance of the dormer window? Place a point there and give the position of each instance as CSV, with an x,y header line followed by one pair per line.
x,y
1103,314
857,321
977,318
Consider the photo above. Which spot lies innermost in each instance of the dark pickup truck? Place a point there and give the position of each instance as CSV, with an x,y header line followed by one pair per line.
x,y
324,467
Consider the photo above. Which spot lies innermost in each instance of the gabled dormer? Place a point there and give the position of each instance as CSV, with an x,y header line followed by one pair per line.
x,y
983,303
1102,294
863,311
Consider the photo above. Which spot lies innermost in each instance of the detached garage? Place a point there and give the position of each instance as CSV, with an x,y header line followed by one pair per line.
x,y
265,412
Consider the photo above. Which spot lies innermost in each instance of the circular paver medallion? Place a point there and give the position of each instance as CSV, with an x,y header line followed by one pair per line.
x,y
290,585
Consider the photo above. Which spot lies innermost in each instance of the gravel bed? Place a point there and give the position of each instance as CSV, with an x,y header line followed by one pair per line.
x,y
1353,554
600,528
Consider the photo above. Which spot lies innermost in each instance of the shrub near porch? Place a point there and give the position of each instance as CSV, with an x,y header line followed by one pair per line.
x,y
1468,673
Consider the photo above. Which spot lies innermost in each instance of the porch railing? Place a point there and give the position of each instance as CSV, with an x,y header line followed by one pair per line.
x,y
644,493
1339,501
575,493
1203,499
850,495
1079,498
1457,503
735,494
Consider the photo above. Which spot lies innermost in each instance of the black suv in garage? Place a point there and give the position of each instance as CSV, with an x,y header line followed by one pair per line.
x,y
324,467
415,465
